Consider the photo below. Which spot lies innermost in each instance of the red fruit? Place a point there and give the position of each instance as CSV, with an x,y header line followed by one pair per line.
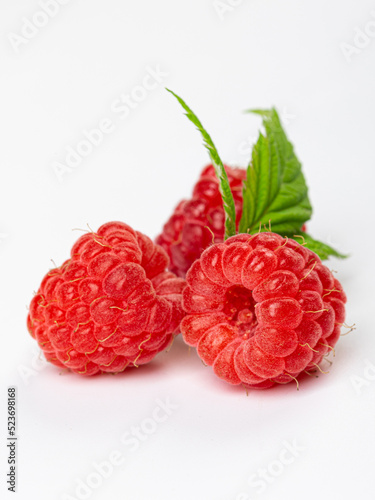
x,y
186,233
110,306
261,309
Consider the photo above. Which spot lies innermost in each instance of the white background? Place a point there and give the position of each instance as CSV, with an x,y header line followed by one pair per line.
x,y
65,79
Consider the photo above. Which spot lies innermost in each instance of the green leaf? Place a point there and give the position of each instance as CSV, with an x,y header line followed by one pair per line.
x,y
321,249
275,192
226,193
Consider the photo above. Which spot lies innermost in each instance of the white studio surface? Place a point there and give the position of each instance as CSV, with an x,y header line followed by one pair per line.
x,y
172,430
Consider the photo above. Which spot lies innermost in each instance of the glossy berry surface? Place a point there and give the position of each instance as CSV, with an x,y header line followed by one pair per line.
x,y
261,309
186,233
110,306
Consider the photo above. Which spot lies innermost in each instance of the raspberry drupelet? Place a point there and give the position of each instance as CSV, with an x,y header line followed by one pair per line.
x,y
110,306
261,309
195,222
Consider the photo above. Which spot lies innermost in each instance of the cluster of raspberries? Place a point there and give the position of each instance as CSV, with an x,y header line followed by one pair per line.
x,y
260,309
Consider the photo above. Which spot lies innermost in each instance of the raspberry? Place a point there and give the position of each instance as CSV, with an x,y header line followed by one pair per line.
x,y
185,235
110,306
261,309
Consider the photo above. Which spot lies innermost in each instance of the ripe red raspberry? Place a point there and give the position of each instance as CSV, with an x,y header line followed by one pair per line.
x,y
110,306
185,235
261,309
